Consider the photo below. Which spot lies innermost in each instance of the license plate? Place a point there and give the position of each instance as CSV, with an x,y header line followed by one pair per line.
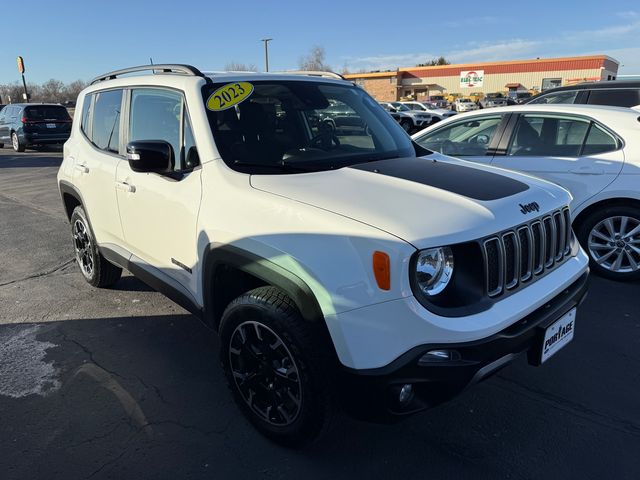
x,y
51,125
558,335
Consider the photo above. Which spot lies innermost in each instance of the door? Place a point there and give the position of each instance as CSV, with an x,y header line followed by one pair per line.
x,y
574,152
159,212
95,160
473,138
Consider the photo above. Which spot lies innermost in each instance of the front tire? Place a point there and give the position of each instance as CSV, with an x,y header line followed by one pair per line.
x,y
406,125
96,269
611,238
276,367
15,142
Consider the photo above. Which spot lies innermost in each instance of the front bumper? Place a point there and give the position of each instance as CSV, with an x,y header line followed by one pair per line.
x,y
373,394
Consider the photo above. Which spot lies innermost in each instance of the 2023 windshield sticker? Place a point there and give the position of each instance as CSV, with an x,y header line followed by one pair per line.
x,y
229,96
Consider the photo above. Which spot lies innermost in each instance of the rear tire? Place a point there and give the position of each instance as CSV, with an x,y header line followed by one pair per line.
x,y
611,238
277,366
96,269
15,141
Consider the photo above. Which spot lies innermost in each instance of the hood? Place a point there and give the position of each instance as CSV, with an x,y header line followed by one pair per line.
x,y
418,114
426,201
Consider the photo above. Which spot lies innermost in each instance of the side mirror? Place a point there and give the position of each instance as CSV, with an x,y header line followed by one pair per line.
x,y
154,156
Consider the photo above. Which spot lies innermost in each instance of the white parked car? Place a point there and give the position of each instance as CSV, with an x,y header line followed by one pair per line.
x,y
419,120
438,113
465,105
338,266
593,151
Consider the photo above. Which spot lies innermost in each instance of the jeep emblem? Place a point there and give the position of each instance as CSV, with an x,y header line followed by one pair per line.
x,y
529,207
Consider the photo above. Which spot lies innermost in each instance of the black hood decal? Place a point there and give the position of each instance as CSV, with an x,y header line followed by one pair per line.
x,y
467,181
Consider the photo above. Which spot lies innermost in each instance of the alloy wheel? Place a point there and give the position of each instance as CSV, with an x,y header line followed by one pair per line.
x,y
82,244
265,373
14,141
614,244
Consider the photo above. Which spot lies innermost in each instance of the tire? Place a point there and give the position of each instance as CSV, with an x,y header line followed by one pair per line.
x,y
406,125
15,142
604,235
1,145
95,269
307,408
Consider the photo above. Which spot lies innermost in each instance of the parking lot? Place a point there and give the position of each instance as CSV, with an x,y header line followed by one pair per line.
x,y
123,383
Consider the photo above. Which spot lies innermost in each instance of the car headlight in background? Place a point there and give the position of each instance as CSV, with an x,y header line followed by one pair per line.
x,y
434,269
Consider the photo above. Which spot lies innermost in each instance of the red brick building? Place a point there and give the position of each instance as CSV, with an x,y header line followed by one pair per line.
x,y
487,77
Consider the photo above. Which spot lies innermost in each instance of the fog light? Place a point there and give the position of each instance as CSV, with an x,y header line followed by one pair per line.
x,y
405,393
438,356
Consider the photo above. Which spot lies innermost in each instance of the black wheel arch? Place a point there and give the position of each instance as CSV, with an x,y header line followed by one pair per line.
x,y
71,198
221,261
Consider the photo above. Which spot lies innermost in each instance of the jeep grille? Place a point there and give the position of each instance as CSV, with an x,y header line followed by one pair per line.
x,y
514,257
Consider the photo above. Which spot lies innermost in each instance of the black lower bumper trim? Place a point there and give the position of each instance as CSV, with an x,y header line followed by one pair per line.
x,y
373,394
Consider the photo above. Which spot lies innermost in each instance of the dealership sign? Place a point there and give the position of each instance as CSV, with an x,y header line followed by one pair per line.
x,y
471,78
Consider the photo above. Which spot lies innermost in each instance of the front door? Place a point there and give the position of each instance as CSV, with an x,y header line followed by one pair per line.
x,y
159,212
472,138
573,152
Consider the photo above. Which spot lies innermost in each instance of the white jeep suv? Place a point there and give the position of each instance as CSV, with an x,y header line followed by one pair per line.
x,y
340,268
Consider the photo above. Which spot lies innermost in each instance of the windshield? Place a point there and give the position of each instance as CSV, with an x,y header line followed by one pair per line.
x,y
400,107
298,126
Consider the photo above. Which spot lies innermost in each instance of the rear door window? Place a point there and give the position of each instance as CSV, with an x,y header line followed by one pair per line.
x,y
622,97
105,132
548,136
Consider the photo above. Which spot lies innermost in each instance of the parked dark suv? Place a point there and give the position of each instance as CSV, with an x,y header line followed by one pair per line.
x,y
28,124
615,92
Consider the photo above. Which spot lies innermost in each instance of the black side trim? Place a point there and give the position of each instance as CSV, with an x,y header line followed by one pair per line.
x,y
68,188
468,181
154,278
217,255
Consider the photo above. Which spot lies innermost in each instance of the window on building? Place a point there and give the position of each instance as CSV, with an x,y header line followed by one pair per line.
x,y
548,83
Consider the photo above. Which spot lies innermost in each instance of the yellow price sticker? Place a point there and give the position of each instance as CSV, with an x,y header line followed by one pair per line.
x,y
229,95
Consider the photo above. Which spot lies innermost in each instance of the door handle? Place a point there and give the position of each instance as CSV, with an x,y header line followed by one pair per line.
x,y
124,186
82,168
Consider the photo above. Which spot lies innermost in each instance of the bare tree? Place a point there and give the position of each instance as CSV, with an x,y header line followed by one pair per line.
x,y
240,67
314,60
53,91
435,62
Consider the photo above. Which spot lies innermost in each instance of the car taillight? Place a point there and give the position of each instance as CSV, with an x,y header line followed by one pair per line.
x,y
25,120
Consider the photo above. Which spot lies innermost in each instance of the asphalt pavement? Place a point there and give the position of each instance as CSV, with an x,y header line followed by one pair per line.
x,y
123,383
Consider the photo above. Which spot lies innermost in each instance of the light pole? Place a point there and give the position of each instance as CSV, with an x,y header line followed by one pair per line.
x,y
266,53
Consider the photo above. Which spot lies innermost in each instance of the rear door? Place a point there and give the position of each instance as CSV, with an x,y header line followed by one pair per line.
x,y
4,128
574,152
96,158
474,138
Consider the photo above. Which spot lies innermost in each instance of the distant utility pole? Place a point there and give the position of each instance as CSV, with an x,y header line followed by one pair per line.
x,y
20,62
266,53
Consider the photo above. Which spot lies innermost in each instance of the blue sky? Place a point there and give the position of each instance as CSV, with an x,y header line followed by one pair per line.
x,y
72,39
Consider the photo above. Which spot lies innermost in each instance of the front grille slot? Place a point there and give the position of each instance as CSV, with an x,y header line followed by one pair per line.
x,y
517,256
494,264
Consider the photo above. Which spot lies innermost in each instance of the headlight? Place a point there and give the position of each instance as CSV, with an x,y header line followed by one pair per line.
x,y
434,269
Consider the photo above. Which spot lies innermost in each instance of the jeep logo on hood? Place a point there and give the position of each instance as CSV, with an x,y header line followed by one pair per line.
x,y
529,207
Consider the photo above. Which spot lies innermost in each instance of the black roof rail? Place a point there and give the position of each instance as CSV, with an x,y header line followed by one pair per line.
x,y
160,68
